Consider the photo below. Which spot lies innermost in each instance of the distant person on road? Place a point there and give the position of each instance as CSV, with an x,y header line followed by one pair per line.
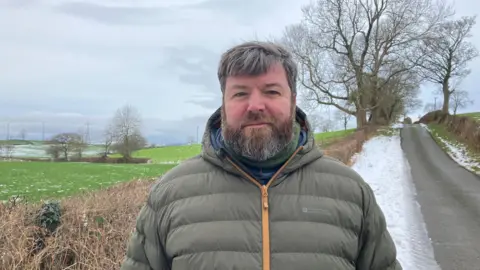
x,y
260,195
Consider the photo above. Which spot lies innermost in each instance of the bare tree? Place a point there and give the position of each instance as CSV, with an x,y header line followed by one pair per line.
x,y
343,47
459,99
126,125
9,150
447,53
343,118
54,151
315,120
108,139
81,144
398,97
80,147
65,144
326,125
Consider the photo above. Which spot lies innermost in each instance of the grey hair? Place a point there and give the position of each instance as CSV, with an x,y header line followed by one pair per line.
x,y
255,58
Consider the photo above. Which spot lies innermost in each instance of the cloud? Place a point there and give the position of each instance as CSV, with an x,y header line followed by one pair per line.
x,y
128,14
66,63
78,61
197,66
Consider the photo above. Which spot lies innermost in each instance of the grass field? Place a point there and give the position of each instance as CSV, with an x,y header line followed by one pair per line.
x,y
42,180
169,154
326,138
21,142
474,115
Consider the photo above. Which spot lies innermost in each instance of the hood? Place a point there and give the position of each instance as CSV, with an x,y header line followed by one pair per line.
x,y
215,154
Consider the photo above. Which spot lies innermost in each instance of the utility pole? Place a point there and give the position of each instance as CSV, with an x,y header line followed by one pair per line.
x,y
435,104
43,131
197,134
8,131
87,133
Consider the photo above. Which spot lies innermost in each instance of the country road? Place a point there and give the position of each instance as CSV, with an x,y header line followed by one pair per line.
x,y
449,197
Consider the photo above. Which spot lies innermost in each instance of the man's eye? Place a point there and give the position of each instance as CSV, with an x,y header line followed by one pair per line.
x,y
239,94
272,92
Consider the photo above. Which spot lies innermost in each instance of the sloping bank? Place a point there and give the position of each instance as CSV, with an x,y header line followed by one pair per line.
x,y
345,148
458,136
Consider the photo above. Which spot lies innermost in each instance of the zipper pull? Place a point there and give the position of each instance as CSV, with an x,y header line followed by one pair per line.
x,y
265,197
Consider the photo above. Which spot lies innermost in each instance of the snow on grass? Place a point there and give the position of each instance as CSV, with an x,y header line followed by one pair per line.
x,y
39,151
455,149
383,166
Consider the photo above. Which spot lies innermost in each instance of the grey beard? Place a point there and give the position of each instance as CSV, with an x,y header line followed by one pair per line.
x,y
257,149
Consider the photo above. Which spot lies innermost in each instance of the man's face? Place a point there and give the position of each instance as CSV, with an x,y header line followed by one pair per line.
x,y
258,113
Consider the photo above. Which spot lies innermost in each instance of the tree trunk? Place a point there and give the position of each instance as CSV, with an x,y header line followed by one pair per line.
x,y
361,116
378,117
446,97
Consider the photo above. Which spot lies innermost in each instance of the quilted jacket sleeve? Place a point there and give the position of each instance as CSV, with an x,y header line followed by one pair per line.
x,y
145,250
378,251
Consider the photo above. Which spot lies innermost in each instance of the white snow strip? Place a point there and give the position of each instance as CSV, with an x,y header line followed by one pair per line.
x,y
458,152
383,166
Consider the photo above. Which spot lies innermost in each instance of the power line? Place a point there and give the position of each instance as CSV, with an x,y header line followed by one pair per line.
x,y
8,131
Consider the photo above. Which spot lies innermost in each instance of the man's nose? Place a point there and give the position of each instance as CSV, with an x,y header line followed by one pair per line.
x,y
256,101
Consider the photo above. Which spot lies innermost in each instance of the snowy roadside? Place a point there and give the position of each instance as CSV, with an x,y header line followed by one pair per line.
x,y
383,166
458,152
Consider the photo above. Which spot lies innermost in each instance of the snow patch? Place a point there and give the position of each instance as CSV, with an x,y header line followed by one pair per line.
x,y
459,153
168,162
384,167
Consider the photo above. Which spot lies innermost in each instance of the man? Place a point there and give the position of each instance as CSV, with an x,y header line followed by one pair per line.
x,y
260,195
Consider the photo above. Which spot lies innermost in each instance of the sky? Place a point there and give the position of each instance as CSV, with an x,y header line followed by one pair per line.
x,y
68,64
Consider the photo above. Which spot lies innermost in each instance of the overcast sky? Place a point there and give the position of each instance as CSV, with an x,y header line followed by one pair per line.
x,y
66,63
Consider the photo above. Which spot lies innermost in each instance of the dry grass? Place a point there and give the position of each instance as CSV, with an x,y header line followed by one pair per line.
x,y
344,149
93,235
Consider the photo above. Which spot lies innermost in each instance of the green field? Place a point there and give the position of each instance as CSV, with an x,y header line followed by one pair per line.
x,y
21,142
474,115
325,138
169,154
41,180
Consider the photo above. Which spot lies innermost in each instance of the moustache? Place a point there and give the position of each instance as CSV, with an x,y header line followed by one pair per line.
x,y
255,118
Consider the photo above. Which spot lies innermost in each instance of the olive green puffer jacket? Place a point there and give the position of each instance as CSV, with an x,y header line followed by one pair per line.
x,y
209,213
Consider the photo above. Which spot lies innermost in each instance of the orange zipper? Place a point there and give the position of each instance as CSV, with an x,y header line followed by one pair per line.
x,y
265,228
265,206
